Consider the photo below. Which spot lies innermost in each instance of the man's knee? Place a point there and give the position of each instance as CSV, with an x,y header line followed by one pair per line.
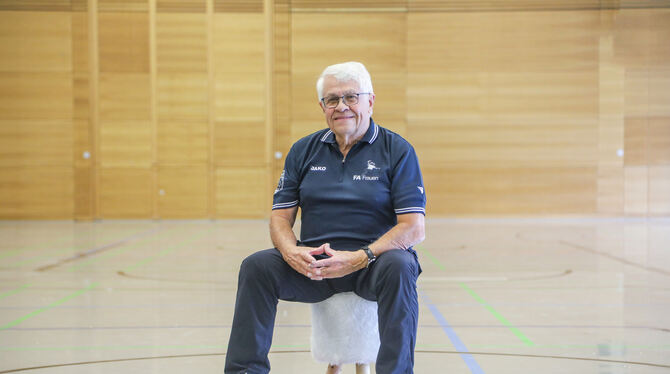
x,y
258,263
398,263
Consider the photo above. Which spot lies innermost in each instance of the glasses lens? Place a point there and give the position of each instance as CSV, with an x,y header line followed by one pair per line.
x,y
351,99
331,101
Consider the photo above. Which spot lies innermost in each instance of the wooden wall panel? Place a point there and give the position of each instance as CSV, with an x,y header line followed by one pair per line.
x,y
35,41
36,132
182,191
124,42
281,88
29,143
126,144
125,193
610,124
514,108
83,149
35,95
182,96
124,96
659,190
379,41
183,142
125,112
240,192
639,48
181,6
468,191
507,116
36,192
239,111
182,110
181,42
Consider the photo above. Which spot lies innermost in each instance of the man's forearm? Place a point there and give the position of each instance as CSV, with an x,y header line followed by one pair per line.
x,y
281,233
408,232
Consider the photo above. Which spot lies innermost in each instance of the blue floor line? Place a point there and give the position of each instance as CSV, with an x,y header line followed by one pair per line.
x,y
455,340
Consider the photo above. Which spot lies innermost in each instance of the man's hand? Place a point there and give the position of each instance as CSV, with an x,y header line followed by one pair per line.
x,y
300,258
338,263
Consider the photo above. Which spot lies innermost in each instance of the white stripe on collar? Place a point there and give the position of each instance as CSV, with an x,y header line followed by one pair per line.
x,y
374,135
323,138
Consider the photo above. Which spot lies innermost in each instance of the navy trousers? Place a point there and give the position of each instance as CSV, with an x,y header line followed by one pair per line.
x,y
265,278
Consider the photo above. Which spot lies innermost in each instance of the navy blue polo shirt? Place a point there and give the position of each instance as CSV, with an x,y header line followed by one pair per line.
x,y
350,202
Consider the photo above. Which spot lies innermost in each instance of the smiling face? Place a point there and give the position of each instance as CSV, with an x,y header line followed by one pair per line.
x,y
347,122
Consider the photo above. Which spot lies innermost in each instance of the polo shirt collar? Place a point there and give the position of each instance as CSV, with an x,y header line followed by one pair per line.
x,y
369,137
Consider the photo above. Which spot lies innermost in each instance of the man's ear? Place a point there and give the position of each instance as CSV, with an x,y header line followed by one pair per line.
x,y
323,108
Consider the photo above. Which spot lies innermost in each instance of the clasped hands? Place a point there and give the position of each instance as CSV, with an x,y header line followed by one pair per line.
x,y
336,265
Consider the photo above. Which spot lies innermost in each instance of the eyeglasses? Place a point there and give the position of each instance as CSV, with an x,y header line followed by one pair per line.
x,y
349,99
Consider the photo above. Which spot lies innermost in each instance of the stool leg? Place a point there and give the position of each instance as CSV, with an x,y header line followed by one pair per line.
x,y
362,369
334,369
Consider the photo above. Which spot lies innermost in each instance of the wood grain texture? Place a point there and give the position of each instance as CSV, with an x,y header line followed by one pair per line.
x,y
239,192
125,192
182,191
514,107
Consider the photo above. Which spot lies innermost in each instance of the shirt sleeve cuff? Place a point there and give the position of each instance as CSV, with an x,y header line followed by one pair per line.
x,y
290,204
412,209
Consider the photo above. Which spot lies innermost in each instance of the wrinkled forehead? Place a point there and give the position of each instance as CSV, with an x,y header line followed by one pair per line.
x,y
334,87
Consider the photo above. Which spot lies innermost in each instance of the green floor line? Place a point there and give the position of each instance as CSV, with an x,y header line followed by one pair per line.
x,y
164,252
527,342
430,256
44,309
14,291
499,316
107,255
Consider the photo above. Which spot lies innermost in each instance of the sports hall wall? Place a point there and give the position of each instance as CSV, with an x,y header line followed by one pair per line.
x,y
186,109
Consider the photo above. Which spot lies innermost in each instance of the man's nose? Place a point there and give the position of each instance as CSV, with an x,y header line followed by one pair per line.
x,y
341,106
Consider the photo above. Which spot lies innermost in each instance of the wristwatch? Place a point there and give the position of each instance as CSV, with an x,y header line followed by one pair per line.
x,y
371,256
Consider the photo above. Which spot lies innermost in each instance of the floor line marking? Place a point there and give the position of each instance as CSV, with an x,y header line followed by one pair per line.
x,y
17,251
90,261
614,258
307,351
97,250
14,291
32,260
499,316
44,309
487,306
455,340
163,253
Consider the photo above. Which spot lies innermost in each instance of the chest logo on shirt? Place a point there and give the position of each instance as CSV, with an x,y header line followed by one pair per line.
x,y
317,168
371,173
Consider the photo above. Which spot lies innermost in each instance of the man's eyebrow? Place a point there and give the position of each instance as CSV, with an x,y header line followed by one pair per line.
x,y
344,93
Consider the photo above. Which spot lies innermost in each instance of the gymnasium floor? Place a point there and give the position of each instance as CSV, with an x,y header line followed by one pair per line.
x,y
496,296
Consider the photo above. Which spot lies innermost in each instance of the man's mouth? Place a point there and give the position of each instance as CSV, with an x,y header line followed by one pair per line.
x,y
342,117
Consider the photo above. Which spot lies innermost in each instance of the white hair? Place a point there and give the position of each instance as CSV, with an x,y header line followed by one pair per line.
x,y
344,72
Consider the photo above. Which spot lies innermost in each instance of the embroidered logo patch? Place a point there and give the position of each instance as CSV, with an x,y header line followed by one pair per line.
x,y
280,185
371,173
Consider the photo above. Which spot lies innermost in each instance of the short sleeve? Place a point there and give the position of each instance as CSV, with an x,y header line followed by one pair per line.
x,y
407,191
286,194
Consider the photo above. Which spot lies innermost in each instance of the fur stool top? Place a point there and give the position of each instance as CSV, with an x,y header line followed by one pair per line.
x,y
345,330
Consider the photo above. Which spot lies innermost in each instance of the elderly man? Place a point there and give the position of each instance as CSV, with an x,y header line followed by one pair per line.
x,y
363,204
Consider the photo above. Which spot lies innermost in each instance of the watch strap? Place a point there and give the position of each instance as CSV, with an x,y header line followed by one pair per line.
x,y
371,256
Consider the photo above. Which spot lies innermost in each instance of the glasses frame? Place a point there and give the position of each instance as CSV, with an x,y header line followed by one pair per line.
x,y
341,98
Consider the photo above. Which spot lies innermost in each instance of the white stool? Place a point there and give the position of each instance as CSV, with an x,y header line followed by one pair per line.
x,y
345,331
